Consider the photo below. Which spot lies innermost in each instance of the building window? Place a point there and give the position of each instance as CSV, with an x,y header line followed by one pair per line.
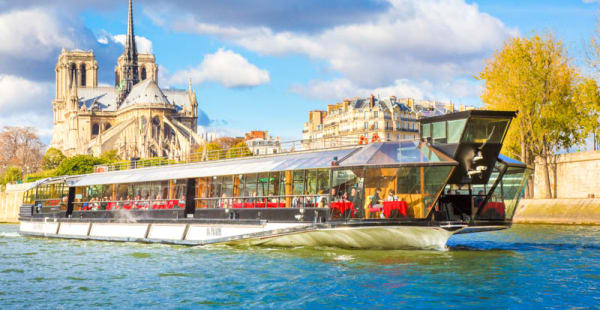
x,y
95,129
117,79
375,114
143,73
375,126
366,115
82,69
366,125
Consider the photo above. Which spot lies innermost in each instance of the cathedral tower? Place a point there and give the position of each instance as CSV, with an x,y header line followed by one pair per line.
x,y
130,55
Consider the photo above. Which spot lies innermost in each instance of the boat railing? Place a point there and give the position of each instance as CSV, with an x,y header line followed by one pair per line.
x,y
267,148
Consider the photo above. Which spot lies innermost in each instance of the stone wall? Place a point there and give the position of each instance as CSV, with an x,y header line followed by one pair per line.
x,y
10,201
578,176
558,211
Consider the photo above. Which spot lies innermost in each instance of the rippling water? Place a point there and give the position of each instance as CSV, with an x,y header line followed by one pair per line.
x,y
524,267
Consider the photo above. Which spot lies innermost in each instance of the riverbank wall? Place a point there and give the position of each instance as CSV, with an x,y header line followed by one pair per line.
x,y
559,211
10,201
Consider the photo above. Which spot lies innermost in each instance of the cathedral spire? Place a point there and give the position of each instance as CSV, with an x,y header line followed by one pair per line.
x,y
130,55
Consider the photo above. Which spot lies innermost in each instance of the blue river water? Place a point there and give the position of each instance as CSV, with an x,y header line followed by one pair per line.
x,y
525,267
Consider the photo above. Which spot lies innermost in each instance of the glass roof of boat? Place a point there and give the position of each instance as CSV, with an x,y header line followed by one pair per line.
x,y
381,154
511,161
296,161
397,153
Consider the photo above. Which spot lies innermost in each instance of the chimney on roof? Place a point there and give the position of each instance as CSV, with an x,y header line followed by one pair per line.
x,y
372,101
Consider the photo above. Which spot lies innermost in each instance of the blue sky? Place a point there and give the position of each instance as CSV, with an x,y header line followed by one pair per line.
x,y
264,64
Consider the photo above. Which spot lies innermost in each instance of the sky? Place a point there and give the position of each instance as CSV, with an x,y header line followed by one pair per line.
x,y
263,64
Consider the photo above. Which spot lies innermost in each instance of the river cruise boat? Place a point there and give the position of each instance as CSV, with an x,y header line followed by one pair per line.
x,y
365,194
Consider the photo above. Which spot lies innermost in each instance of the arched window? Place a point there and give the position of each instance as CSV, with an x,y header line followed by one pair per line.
x,y
83,75
143,73
107,126
95,129
117,80
73,73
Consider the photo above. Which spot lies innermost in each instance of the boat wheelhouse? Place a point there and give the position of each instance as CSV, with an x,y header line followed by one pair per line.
x,y
409,194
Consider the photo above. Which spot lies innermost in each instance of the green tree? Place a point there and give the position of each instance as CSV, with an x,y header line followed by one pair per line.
x,y
11,175
78,164
534,76
210,151
240,149
110,156
52,158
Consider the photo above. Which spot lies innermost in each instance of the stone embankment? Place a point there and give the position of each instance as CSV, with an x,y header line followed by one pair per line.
x,y
559,211
10,201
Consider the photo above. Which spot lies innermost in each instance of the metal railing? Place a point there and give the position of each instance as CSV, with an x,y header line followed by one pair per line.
x,y
206,154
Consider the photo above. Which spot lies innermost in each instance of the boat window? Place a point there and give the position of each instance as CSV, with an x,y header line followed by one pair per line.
x,y
298,182
50,197
439,132
262,184
425,130
274,184
227,186
311,182
250,188
485,130
417,187
513,183
344,181
455,129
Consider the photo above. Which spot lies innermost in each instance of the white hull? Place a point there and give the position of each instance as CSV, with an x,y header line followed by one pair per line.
x,y
268,234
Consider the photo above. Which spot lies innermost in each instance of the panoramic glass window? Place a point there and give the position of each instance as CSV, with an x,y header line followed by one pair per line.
x,y
415,187
455,129
485,130
439,132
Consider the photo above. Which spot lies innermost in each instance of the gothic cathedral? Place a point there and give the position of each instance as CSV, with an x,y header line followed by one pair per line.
x,y
136,117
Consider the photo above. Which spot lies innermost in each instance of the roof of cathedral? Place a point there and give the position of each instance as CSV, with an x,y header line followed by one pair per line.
x,y
146,92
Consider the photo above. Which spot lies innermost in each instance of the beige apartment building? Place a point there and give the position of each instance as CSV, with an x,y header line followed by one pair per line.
x,y
370,119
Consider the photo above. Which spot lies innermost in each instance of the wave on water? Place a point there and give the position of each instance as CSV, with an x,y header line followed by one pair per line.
x,y
9,234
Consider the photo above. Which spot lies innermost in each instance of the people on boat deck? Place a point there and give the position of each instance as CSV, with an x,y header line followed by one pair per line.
x,y
376,199
356,200
392,196
334,196
322,200
479,199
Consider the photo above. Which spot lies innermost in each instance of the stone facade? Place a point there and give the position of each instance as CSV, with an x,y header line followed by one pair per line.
x,y
136,117
387,119
10,201
577,176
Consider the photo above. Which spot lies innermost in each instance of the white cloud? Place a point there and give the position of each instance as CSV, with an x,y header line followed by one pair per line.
x,y
32,33
225,67
343,88
26,103
143,44
19,94
425,39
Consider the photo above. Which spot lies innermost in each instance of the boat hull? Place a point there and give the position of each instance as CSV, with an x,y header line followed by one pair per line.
x,y
259,234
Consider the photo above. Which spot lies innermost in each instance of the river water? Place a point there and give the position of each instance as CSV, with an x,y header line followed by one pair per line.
x,y
528,266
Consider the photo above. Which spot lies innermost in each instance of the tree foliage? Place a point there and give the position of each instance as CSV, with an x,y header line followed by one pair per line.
x,y
111,156
20,147
11,175
78,164
238,150
52,158
535,77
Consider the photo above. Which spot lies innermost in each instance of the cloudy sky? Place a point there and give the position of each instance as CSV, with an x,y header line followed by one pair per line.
x,y
263,64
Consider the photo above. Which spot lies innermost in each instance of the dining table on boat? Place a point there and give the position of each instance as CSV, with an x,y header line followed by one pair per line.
x,y
389,206
343,206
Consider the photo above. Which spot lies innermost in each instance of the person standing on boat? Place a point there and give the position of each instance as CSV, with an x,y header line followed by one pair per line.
x,y
357,202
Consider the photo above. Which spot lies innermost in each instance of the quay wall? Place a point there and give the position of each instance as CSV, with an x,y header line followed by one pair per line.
x,y
559,211
10,201
574,175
